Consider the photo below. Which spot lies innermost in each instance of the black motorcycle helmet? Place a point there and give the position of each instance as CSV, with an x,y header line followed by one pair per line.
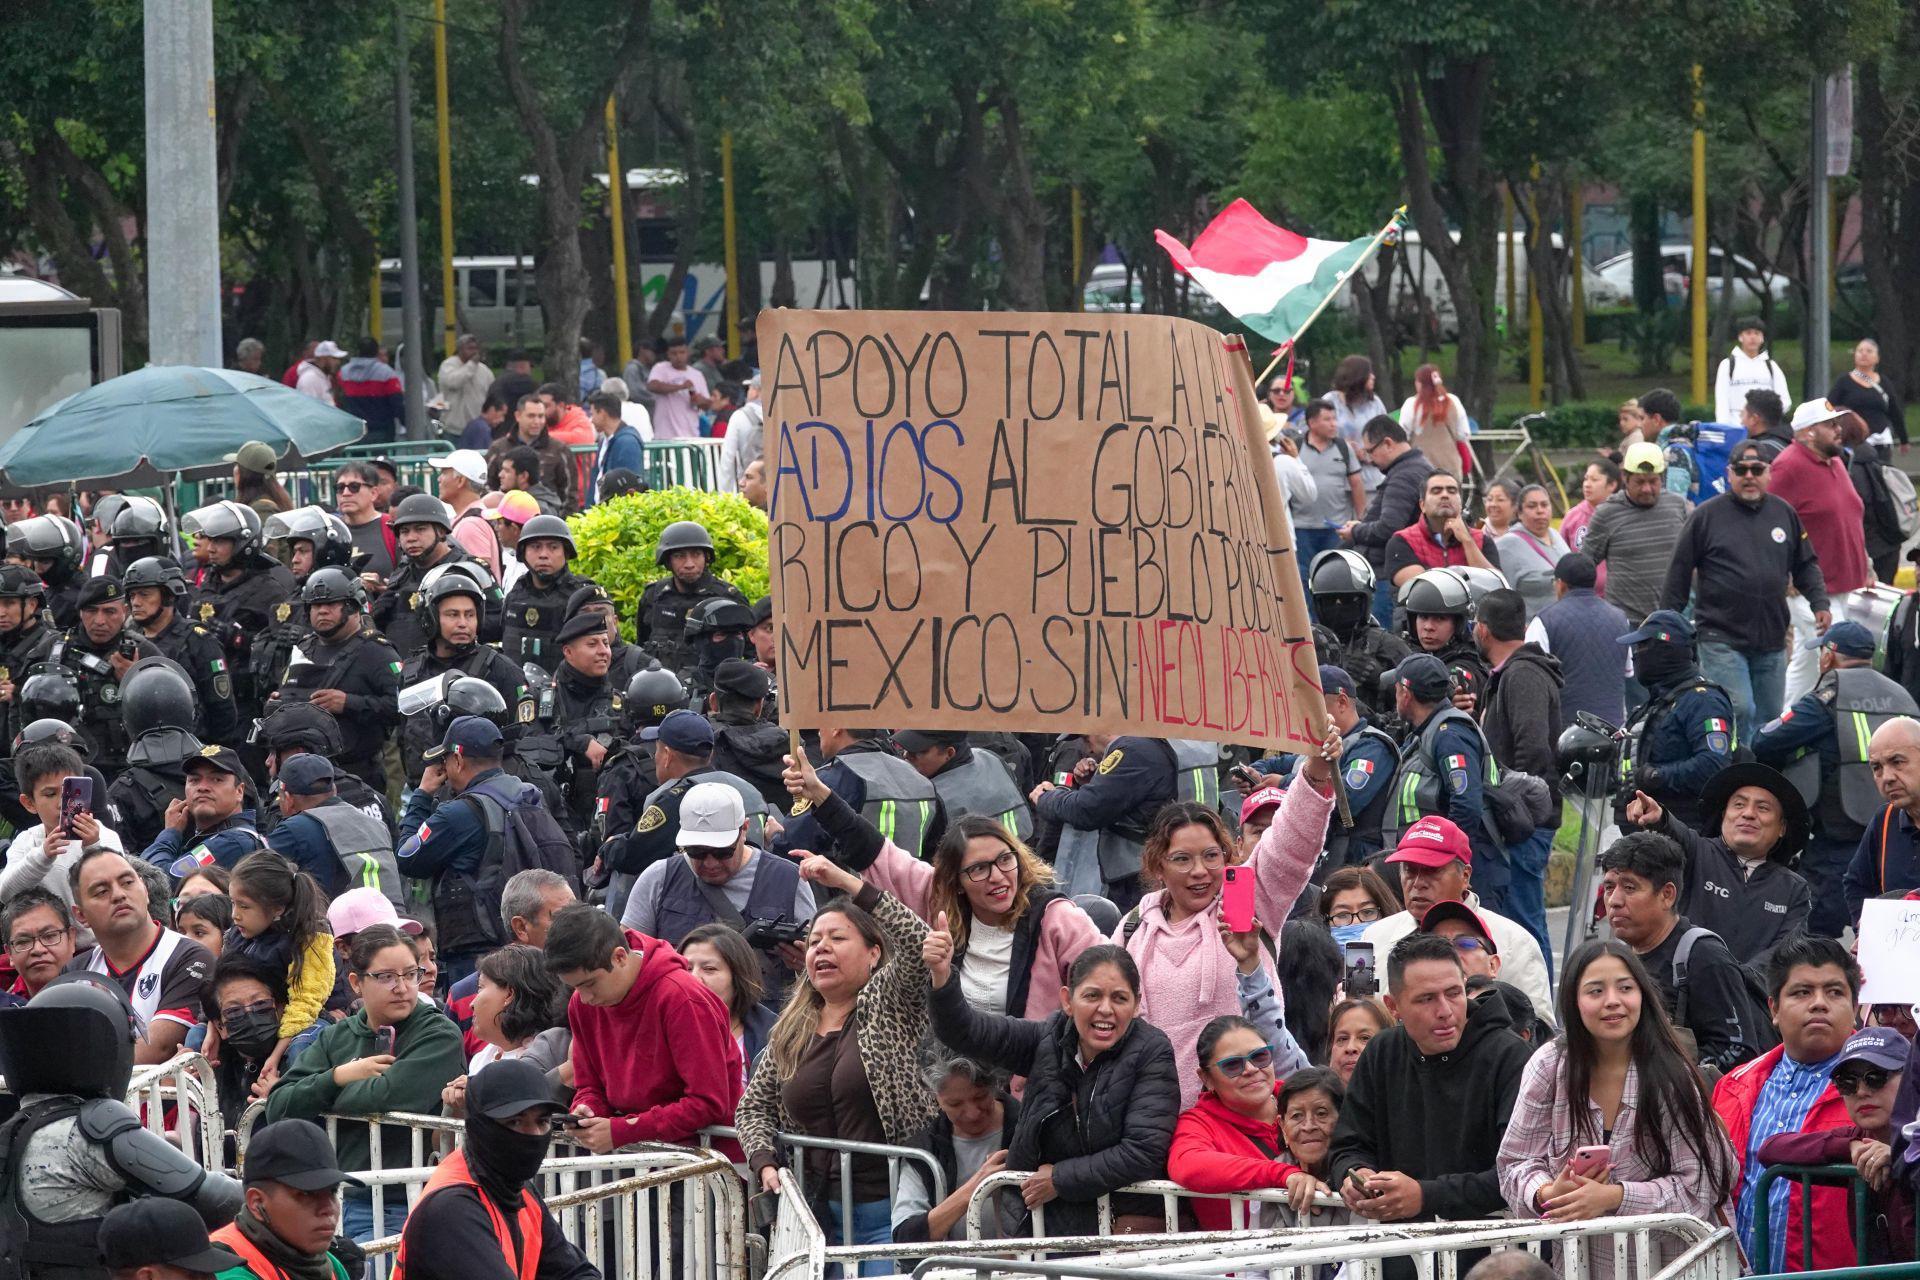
x,y
333,585
156,694
1585,753
75,1037
653,694
50,692
156,571
51,730
445,587
1437,592
139,529
332,541
54,539
291,727
717,627
226,519
1341,583
681,535
467,696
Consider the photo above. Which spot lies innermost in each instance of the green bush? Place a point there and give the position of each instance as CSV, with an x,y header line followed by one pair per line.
x,y
1588,424
616,541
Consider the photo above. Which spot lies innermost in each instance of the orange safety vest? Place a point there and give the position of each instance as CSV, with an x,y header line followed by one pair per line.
x,y
257,1262
453,1172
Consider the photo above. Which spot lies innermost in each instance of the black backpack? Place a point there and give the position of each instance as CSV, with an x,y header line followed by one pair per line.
x,y
519,838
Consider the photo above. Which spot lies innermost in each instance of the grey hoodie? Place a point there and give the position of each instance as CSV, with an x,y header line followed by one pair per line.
x,y
1521,714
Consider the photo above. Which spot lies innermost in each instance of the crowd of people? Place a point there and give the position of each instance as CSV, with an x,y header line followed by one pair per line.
x,y
375,808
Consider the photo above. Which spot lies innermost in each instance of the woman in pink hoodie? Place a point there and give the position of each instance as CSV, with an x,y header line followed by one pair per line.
x,y
1014,934
1187,975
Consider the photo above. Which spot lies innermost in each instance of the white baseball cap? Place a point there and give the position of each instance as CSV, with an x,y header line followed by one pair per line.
x,y
333,349
471,465
1813,412
711,815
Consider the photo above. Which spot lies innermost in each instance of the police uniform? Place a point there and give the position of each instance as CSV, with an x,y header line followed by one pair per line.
x,y
396,611
1368,657
975,781
237,611
201,655
1820,743
1369,759
273,648
1103,821
365,668
19,650
884,789
577,709
744,743
1445,768
101,718
661,623
480,661
534,615
1684,733
294,727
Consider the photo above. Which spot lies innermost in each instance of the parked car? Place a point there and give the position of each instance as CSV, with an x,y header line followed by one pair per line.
x,y
1611,283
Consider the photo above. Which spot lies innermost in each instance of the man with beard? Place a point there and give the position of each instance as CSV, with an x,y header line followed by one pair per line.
x,y
25,638
453,605
241,593
1811,476
1346,636
582,710
1684,733
98,652
153,587
685,550
537,605
479,1215
745,742
1440,537
351,672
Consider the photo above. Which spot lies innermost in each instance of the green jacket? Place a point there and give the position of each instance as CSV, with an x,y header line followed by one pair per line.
x,y
248,1273
428,1054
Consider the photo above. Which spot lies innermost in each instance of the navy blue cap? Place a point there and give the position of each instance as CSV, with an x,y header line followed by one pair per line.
x,y
1882,1047
1335,680
1425,676
683,731
307,774
1849,638
467,736
1662,624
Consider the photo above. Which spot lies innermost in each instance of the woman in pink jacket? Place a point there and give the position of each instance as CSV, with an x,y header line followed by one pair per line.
x,y
1187,975
1014,934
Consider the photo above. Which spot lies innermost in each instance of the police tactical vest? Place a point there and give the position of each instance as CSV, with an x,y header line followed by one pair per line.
x,y
1641,724
1365,834
1196,770
900,803
364,848
1863,701
1416,784
756,804
29,1248
982,785
685,904
533,618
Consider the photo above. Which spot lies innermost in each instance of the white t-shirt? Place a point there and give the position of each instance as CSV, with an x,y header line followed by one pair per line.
x,y
983,978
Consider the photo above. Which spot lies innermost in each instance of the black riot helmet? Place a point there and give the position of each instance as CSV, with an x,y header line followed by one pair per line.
x,y
445,587
50,692
718,627
1585,753
139,528
681,535
156,694
75,1037
291,727
104,509
156,571
549,527
653,694
467,696
51,730
421,508
1437,592
1341,583
226,519
333,585
55,539
17,582
332,541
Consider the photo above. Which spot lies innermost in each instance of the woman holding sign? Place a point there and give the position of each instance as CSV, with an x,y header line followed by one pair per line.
x,y
1014,933
1187,974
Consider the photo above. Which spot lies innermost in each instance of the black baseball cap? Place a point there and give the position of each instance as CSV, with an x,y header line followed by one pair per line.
x,y
914,741
1336,680
743,679
683,731
295,1153
1425,676
225,759
307,774
157,1232
502,1095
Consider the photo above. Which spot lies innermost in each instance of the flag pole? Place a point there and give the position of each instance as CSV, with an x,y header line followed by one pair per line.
x,y
1366,255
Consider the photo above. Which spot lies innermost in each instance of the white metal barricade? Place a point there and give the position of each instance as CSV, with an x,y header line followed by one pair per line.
x,y
178,1100
846,1149
1241,1210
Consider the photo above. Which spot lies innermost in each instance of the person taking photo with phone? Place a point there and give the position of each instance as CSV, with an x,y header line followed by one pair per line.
x,y
55,788
1613,1118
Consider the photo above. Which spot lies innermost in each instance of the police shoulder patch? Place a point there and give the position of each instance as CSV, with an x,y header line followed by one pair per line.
x,y
1718,744
1112,761
1457,779
526,711
223,686
652,820
1358,771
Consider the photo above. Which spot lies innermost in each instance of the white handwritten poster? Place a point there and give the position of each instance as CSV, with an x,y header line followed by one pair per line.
x,y
1890,951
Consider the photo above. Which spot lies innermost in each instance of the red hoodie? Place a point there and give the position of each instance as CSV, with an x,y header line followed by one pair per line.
x,y
663,1062
1216,1149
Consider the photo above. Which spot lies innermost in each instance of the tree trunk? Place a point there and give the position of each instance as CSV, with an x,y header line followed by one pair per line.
x,y
1008,195
1551,277
692,204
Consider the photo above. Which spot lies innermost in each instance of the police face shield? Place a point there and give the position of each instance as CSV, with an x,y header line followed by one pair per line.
x,y
74,1037
1342,613
424,696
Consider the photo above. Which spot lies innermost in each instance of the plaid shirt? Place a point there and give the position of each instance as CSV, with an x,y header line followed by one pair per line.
x,y
1540,1140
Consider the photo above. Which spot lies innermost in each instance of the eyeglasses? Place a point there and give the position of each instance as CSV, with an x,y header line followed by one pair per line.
x,y
1238,1065
705,854
349,486
1365,915
395,978
1008,861
1467,942
1748,468
21,944
1853,1081
1209,858
235,1012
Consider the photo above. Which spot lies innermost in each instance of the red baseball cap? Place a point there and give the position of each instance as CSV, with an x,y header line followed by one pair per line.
x,y
1264,798
1432,841
1454,909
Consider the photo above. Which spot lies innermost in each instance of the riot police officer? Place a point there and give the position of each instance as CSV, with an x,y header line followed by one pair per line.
x,y
157,700
582,709
1369,757
421,525
293,728
1346,636
51,546
453,604
98,652
139,529
1103,817
75,1150
745,742
153,587
686,550
629,775
351,672
1439,610
716,631
240,596
25,637
1445,768
1820,743
629,660
1684,732
537,605
313,538
968,779
469,696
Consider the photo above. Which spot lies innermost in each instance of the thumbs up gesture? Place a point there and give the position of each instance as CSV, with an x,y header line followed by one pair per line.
x,y
936,952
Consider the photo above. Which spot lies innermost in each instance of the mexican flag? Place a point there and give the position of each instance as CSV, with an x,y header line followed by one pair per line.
x,y
1270,278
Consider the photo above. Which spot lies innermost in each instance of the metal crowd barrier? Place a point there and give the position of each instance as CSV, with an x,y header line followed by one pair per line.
x,y
179,1100
847,1149
680,1217
1806,1177
1241,1213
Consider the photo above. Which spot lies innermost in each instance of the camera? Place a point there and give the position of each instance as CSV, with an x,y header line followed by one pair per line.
x,y
768,934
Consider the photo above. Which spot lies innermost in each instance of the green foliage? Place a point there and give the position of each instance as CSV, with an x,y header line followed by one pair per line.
x,y
1590,424
616,541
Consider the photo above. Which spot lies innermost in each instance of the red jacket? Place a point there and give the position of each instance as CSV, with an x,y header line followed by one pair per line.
x,y
1216,1149
1734,1099
663,1062
1428,551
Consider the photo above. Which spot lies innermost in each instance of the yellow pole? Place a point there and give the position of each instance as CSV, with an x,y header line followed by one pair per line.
x,y
1536,339
730,229
1079,294
1506,204
1698,285
1576,199
373,308
617,192
446,172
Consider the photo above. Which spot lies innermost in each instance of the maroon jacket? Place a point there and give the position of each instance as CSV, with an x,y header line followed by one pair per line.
x,y
1890,1229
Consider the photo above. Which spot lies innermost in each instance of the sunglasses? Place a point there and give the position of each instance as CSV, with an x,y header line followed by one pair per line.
x,y
1748,468
351,486
1853,1081
716,855
1238,1065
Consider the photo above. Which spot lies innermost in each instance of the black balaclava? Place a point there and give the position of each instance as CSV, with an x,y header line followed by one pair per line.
x,y
502,1160
1661,662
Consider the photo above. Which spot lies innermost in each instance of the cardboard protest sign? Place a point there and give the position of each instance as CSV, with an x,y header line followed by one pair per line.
x,y
1029,522
1889,939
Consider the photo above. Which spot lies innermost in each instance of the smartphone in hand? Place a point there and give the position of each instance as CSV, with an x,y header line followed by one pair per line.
x,y
76,797
1236,899
383,1041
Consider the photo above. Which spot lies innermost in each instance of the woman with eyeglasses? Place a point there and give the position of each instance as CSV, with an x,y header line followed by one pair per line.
x,y
1188,975
395,1053
1867,1077
1353,898
1014,934
1612,1118
1234,1138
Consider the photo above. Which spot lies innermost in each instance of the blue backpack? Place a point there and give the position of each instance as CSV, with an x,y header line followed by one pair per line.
x,y
1697,455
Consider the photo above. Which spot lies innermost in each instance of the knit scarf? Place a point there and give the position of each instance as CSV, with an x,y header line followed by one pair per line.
x,y
297,1266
